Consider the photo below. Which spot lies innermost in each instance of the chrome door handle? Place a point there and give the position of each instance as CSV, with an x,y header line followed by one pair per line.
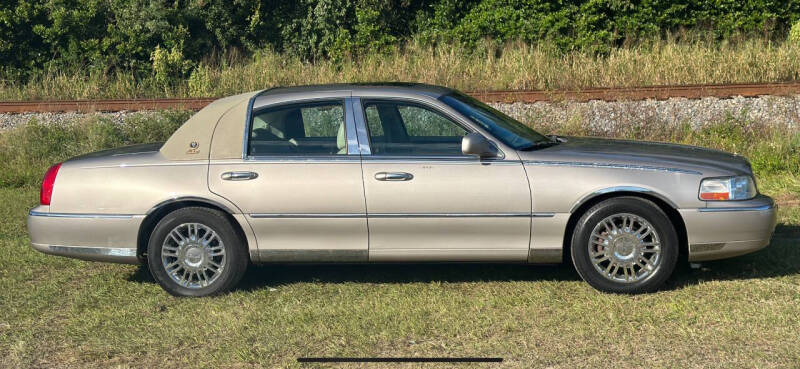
x,y
394,176
239,176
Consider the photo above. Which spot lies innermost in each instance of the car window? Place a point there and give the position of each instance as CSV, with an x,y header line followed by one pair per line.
x,y
400,128
301,129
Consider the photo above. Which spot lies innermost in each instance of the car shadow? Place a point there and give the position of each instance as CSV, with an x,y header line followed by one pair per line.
x,y
780,258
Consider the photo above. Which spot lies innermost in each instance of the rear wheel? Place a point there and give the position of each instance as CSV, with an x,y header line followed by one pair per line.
x,y
195,251
625,245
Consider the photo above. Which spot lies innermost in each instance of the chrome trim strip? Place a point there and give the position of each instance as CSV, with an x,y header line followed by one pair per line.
x,y
308,215
191,198
610,165
449,215
741,208
312,255
361,127
398,215
350,128
96,251
80,215
621,189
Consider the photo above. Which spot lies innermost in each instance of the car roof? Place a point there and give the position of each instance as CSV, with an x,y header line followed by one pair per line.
x,y
365,87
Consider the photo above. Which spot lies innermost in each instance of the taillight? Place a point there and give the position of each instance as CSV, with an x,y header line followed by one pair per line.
x,y
47,184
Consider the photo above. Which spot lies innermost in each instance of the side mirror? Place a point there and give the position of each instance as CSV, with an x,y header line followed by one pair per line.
x,y
475,144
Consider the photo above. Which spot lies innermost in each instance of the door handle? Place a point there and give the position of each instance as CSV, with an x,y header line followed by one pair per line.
x,y
239,176
394,176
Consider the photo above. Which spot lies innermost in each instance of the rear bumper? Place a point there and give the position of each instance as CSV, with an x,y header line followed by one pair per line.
x,y
96,237
718,232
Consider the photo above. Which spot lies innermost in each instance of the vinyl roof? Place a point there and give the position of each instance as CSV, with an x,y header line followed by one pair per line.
x,y
407,87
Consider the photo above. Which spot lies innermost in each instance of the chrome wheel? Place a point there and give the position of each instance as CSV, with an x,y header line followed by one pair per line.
x,y
625,248
193,255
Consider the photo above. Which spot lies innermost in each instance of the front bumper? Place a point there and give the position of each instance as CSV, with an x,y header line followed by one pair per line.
x,y
96,237
724,230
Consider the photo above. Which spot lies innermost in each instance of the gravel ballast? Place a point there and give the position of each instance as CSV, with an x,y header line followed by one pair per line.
x,y
600,116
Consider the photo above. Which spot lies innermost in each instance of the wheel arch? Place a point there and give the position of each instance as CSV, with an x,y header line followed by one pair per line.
x,y
666,205
158,212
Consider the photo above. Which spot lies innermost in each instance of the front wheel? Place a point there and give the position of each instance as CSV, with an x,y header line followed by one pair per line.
x,y
195,251
625,245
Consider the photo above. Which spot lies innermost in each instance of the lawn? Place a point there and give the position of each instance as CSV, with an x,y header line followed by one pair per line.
x,y
741,312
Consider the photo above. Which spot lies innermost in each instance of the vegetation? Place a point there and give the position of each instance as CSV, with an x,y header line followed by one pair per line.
x,y
737,313
140,47
514,65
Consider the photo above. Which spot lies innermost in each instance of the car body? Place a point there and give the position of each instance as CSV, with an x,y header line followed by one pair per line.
x,y
389,173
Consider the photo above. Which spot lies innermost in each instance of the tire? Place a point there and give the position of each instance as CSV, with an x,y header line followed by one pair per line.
x,y
214,260
633,246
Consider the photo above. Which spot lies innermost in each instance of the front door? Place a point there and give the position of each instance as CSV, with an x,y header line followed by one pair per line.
x,y
426,201
300,184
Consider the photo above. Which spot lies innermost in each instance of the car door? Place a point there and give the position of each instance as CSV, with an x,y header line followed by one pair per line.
x,y
299,183
426,201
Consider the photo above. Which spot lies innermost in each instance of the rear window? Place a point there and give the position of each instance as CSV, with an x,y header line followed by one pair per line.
x,y
299,129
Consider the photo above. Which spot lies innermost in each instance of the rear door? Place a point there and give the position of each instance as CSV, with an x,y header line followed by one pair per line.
x,y
427,201
299,183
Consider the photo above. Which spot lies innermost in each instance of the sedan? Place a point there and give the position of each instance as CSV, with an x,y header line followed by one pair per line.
x,y
388,173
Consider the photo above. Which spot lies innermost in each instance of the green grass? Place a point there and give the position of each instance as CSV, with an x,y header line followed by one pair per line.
x,y
514,65
54,311
740,312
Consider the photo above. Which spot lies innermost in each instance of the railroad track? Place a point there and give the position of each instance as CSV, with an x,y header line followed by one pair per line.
x,y
505,96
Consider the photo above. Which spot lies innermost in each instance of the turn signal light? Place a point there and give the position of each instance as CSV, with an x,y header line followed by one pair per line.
x,y
46,192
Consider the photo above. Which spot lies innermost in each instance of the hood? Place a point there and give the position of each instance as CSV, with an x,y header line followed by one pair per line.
x,y
608,151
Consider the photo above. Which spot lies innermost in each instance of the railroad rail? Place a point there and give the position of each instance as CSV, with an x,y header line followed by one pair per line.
x,y
504,96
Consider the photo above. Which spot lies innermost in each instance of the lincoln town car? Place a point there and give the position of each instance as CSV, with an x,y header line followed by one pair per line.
x,y
395,173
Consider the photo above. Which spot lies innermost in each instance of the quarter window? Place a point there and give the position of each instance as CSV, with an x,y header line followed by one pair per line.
x,y
302,129
400,128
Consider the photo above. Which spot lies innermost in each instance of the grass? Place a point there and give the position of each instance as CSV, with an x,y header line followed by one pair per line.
x,y
736,313
490,66
740,312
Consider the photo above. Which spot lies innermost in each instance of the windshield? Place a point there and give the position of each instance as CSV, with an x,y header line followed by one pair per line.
x,y
505,128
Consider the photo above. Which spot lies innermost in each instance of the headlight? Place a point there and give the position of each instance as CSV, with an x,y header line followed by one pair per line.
x,y
728,188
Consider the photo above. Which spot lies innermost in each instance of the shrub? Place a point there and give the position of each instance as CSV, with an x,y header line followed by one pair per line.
x,y
794,33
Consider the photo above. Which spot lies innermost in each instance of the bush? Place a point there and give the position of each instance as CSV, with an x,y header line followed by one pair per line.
x,y
109,35
794,33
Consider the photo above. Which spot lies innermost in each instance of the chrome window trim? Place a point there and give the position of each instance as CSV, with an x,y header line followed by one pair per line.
x,y
610,165
442,109
350,129
298,159
361,127
739,208
436,159
247,122
81,215
397,215
251,111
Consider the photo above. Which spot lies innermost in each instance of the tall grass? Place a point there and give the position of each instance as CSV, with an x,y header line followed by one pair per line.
x,y
28,150
513,65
